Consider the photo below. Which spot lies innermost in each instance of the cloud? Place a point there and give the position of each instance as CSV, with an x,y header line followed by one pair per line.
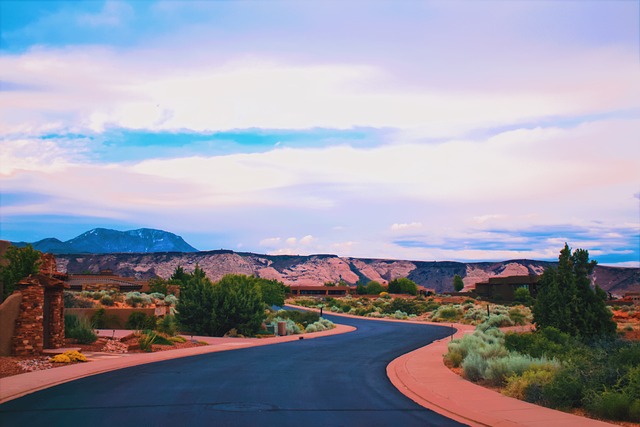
x,y
95,88
271,241
406,226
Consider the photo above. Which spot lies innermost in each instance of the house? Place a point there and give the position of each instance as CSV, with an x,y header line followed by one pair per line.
x,y
503,288
105,280
302,290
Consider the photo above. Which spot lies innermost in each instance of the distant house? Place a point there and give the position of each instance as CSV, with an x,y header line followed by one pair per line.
x,y
105,280
504,287
302,290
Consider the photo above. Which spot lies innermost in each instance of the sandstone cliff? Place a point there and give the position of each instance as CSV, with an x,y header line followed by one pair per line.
x,y
318,269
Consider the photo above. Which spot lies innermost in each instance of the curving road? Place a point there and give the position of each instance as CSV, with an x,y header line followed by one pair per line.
x,y
338,380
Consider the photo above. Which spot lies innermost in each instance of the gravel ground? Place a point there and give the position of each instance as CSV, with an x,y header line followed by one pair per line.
x,y
15,365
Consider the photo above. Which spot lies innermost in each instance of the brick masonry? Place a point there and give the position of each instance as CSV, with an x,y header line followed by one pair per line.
x,y
29,334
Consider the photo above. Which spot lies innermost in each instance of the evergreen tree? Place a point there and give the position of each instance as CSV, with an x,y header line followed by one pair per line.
x,y
273,292
566,301
237,303
458,284
196,303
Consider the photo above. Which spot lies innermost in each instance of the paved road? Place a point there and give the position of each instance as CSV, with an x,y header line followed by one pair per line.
x,y
333,381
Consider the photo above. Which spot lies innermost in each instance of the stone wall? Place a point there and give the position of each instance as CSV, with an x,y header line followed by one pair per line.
x,y
56,319
29,333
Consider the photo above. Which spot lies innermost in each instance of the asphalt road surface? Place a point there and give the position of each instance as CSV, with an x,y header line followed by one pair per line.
x,y
334,381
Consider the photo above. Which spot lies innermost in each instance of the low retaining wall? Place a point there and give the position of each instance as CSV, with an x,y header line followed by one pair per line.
x,y
9,311
115,318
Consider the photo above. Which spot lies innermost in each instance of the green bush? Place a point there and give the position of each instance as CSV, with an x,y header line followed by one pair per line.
x,y
147,340
107,300
565,390
499,369
529,385
474,366
611,405
72,300
138,321
81,330
167,325
99,319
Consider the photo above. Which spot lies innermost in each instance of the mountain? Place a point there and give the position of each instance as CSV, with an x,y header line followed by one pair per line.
x,y
103,241
318,269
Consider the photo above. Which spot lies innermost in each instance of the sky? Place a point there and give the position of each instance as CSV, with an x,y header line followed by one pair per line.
x,y
421,130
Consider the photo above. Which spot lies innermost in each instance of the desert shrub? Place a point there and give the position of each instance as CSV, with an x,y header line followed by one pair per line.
x,y
499,369
98,320
107,300
567,388
401,315
407,306
499,321
611,405
320,325
474,366
137,299
530,385
157,295
454,357
138,321
171,299
447,313
167,325
549,342
518,317
72,300
81,330
147,340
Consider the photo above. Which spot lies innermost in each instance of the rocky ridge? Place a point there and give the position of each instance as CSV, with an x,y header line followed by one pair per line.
x,y
315,270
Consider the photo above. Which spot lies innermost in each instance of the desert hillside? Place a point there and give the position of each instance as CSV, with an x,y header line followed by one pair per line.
x,y
318,269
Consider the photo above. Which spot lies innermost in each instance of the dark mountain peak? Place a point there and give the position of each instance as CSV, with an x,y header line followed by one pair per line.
x,y
105,240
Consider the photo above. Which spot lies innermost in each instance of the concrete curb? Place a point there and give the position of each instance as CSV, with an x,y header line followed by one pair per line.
x,y
20,385
422,376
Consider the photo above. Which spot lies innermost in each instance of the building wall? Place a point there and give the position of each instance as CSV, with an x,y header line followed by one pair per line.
x,y
9,311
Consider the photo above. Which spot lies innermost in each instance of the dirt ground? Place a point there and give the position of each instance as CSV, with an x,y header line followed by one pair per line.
x,y
15,365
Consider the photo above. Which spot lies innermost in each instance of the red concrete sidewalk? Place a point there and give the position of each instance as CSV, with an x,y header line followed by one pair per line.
x,y
23,384
423,377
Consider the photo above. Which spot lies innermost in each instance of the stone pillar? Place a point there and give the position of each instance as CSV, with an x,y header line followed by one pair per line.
x,y
56,319
28,334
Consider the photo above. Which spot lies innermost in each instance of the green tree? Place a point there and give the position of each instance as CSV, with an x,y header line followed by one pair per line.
x,y
22,263
273,292
158,284
458,284
237,303
403,285
566,301
374,288
179,276
195,305
523,296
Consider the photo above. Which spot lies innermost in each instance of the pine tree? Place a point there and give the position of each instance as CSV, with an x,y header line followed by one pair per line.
x,y
458,284
566,301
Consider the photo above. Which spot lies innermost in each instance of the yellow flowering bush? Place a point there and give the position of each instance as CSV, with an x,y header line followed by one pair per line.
x,y
69,357
60,358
